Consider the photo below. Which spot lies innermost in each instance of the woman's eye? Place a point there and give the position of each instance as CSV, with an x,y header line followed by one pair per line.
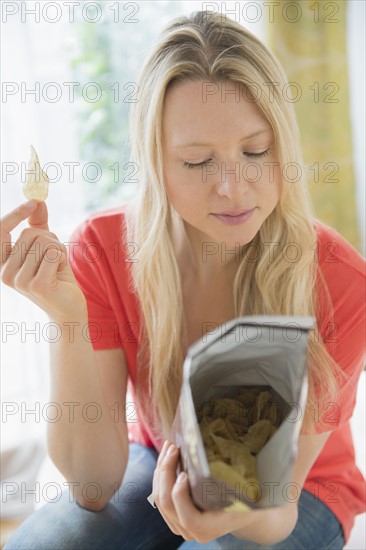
x,y
251,155
258,155
190,165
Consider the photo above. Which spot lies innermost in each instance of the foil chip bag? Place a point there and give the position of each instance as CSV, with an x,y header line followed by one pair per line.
x,y
240,411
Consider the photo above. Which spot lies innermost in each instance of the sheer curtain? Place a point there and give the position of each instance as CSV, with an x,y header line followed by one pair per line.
x,y
34,55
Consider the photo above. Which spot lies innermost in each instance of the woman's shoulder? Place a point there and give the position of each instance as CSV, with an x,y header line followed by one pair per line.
x,y
344,272
336,254
102,224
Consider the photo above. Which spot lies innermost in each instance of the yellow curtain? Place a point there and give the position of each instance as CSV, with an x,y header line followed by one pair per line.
x,y
309,39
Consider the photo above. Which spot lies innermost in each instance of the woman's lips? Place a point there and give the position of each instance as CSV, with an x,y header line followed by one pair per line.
x,y
234,220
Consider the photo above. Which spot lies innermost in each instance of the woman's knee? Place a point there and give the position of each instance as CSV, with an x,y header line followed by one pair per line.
x,y
62,525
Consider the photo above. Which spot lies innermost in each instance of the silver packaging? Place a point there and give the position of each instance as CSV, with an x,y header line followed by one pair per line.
x,y
261,352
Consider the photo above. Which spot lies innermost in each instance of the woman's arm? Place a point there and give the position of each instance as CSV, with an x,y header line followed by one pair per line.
x,y
279,522
87,451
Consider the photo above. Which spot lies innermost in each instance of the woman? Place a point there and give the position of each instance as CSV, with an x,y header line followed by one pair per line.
x,y
220,208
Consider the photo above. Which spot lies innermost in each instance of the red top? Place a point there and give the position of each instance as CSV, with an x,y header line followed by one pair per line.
x,y
101,264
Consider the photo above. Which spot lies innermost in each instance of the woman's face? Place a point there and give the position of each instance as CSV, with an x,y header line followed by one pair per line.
x,y
232,143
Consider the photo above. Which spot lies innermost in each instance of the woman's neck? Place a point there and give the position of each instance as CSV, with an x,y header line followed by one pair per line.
x,y
199,256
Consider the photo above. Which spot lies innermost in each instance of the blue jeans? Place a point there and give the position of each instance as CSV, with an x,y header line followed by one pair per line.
x,y
130,522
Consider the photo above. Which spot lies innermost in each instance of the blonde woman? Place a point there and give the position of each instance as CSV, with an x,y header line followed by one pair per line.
x,y
221,226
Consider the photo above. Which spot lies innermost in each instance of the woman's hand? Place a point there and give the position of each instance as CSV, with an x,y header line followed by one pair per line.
x,y
172,497
37,264
178,510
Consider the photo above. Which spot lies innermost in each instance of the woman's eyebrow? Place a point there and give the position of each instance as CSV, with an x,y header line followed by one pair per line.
x,y
198,144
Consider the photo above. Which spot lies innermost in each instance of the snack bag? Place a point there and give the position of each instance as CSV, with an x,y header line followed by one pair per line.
x,y
240,411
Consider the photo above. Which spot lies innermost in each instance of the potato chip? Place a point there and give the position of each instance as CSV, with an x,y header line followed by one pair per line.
x,y
245,464
247,396
233,432
218,426
230,451
273,415
229,408
257,435
261,402
246,486
36,184
237,506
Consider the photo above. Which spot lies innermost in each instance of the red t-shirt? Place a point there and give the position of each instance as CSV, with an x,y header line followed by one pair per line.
x,y
101,263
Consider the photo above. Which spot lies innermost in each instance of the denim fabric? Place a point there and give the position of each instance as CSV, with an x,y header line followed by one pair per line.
x,y
317,528
130,522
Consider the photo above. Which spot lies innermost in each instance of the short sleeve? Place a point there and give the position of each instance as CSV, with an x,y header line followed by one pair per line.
x,y
89,264
345,334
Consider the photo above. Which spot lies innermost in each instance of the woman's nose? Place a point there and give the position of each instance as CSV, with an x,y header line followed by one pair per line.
x,y
232,180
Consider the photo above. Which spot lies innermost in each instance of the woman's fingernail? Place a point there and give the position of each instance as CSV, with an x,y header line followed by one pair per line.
x,y
171,450
182,477
30,204
169,454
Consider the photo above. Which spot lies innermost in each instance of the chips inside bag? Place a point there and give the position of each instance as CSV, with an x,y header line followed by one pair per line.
x,y
240,411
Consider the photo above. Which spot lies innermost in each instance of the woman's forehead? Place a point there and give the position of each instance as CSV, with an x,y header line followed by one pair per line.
x,y
190,118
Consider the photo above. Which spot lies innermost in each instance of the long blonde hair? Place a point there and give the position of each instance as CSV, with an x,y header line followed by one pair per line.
x,y
206,46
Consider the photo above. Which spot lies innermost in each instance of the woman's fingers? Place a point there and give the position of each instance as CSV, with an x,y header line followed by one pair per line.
x,y
37,264
48,269
9,222
166,480
46,276
28,252
39,217
185,511
163,483
35,276
157,488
